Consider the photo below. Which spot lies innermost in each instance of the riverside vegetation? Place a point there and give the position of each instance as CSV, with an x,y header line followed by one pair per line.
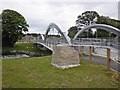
x,y
25,48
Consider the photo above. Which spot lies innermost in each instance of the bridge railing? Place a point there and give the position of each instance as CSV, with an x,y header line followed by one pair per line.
x,y
95,41
84,41
52,43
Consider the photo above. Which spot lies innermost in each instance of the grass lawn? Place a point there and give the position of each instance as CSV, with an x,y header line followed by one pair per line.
x,y
37,72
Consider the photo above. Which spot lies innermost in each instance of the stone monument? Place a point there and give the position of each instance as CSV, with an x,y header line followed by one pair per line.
x,y
65,56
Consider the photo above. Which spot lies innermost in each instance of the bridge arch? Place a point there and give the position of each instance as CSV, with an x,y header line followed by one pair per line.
x,y
53,25
99,26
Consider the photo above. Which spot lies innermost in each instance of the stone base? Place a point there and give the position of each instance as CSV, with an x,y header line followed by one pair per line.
x,y
65,67
65,57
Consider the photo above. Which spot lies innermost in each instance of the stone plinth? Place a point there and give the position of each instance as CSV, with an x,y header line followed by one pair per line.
x,y
64,57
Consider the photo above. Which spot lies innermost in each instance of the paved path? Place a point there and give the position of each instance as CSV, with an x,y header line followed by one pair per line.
x,y
102,60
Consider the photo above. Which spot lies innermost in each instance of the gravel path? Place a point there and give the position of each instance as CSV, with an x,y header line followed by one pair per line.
x,y
102,60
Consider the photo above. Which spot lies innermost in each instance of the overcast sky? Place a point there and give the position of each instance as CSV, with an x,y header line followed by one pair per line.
x,y
39,13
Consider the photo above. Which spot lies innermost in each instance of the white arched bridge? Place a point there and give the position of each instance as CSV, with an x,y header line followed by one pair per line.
x,y
96,46
49,40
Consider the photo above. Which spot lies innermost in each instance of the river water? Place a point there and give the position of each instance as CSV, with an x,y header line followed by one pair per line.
x,y
15,56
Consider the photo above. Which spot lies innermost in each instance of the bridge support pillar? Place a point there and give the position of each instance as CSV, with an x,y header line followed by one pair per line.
x,y
108,58
90,54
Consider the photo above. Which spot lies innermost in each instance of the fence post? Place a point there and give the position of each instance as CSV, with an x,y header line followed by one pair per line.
x,y
108,58
90,54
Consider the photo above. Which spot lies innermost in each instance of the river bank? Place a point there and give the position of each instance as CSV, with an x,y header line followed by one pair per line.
x,y
21,50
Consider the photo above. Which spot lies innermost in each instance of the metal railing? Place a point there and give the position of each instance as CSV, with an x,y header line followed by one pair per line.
x,y
85,41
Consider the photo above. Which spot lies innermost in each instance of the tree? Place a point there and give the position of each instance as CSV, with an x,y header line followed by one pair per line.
x,y
72,31
107,21
0,23
87,18
34,34
13,26
101,33
92,17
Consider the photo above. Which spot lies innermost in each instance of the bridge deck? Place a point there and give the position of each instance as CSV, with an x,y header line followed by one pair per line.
x,y
45,45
